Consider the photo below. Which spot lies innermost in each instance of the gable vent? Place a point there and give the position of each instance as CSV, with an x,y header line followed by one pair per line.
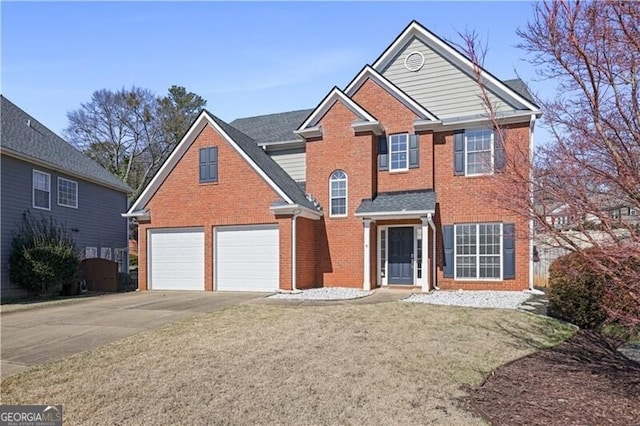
x,y
414,61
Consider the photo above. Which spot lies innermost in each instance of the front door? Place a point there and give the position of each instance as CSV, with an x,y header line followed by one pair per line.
x,y
400,255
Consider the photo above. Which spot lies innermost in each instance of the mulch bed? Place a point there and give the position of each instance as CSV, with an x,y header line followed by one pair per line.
x,y
583,381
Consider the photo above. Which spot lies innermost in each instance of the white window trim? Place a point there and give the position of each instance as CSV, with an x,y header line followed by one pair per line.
x,y
346,194
33,190
406,168
492,148
58,193
384,281
90,250
455,257
105,253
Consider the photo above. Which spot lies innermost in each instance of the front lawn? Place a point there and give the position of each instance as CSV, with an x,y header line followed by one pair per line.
x,y
392,363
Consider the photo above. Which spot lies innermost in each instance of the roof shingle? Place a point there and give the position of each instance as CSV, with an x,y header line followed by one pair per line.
x,y
268,128
267,164
27,137
399,202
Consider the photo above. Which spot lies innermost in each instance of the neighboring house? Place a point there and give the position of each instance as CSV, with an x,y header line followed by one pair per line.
x,y
42,173
382,184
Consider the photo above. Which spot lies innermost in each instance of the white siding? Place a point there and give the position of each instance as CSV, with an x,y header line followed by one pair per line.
x,y
439,86
293,161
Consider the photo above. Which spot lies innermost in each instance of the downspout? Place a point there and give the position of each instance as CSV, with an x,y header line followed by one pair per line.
x,y
432,225
531,202
294,250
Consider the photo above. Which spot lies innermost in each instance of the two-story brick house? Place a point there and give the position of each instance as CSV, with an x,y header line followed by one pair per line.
x,y
382,184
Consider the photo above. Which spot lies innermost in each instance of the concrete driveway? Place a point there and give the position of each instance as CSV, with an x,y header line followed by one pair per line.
x,y
53,331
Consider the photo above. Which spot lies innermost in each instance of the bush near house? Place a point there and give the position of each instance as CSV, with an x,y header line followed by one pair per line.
x,y
43,256
576,291
588,288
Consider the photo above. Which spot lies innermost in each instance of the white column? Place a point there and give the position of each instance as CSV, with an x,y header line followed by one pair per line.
x,y
366,285
425,254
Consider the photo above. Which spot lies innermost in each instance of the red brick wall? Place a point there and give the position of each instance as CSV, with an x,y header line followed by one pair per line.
x,y
397,118
464,199
339,240
306,253
239,197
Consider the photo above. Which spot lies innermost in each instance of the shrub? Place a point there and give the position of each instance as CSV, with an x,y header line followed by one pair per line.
x,y
576,291
133,260
43,256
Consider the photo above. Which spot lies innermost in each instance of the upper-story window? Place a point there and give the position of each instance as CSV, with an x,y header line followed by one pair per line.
x,y
208,164
338,193
476,152
399,149
399,152
67,193
41,190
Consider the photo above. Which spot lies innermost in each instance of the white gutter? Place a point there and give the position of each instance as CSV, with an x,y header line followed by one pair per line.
x,y
292,209
400,214
531,200
433,249
138,214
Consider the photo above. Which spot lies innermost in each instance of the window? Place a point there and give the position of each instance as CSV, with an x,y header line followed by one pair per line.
x,y
105,253
90,252
209,164
479,152
41,190
399,148
67,193
120,256
338,193
478,249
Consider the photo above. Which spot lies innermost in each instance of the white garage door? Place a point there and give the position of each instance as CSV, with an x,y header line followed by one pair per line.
x,y
246,258
176,259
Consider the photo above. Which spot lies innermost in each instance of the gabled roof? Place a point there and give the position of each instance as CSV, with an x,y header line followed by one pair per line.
x,y
246,147
369,73
26,138
336,95
521,88
272,127
415,29
399,203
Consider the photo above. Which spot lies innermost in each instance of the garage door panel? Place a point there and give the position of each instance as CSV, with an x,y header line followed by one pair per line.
x,y
247,258
176,259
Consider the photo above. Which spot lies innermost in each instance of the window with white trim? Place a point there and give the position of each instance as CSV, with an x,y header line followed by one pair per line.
x,y
105,253
90,252
478,152
41,190
478,251
399,150
338,193
67,193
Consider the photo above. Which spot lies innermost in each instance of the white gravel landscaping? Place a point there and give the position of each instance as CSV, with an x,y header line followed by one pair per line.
x,y
334,293
473,299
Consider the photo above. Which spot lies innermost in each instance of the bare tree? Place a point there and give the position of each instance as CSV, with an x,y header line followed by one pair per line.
x,y
131,132
591,50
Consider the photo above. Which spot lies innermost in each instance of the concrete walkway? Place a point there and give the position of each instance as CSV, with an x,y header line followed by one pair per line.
x,y
40,333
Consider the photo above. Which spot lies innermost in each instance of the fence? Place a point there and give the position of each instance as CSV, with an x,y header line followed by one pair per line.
x,y
546,256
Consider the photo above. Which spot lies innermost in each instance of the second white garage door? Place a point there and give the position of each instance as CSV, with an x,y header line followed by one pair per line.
x,y
247,258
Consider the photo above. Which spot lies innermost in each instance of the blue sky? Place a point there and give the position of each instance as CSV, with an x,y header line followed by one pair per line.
x,y
244,58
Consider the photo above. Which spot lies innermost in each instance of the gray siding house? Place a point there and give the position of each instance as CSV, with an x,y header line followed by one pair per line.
x,y
42,173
